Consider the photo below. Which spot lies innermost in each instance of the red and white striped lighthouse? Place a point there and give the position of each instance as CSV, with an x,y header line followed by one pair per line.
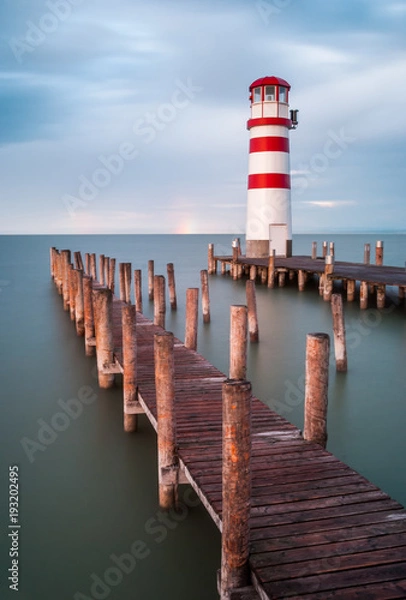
x,y
269,215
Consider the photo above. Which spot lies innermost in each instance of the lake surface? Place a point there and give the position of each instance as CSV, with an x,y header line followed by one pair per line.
x,y
88,493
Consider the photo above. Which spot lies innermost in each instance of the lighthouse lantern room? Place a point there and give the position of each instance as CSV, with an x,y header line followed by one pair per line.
x,y
269,218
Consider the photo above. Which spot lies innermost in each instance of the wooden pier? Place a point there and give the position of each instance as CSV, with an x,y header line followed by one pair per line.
x,y
317,529
360,279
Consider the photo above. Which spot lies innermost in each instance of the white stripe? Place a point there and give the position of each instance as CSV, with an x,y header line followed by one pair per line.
x,y
269,130
268,162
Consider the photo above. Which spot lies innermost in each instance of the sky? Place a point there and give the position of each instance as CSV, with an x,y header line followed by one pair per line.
x,y
130,117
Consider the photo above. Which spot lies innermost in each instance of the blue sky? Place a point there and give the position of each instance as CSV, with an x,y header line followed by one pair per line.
x,y
130,117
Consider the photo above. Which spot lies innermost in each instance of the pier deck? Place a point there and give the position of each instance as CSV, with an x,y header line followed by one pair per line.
x,y
318,529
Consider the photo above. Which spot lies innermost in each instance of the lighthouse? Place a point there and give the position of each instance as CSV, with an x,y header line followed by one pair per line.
x,y
269,214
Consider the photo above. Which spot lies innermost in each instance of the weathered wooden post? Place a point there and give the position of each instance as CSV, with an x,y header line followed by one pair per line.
x,y
127,282
236,485
66,255
253,272
52,261
363,295
238,341
379,253
159,301
271,269
107,271
321,284
324,249
314,250
204,281
112,274
223,267
138,289
350,290
78,260
171,285
234,265
72,291
103,320
93,269
331,248
340,346
101,269
87,264
328,280
192,310
151,279
79,303
380,295
121,275
316,388
131,406
264,275
301,280
367,254
90,348
252,310
211,262
168,465
282,278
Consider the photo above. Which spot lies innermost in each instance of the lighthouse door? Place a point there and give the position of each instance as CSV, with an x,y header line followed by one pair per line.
x,y
278,234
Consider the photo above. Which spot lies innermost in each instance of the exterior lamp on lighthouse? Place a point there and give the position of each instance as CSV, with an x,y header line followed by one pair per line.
x,y
269,215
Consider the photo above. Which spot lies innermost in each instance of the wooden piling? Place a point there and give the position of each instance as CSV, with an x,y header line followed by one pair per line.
x,y
90,348
72,291
204,281
66,255
107,271
138,289
252,311
253,272
112,274
331,248
350,290
58,271
301,280
316,388
234,264
236,486
367,254
192,310
151,279
131,406
223,268
52,261
264,275
282,278
78,261
93,268
271,269
87,264
121,275
103,320
327,279
380,295
211,262
314,250
340,346
325,246
238,341
363,295
101,269
379,253
168,465
171,286
159,301
127,282
79,303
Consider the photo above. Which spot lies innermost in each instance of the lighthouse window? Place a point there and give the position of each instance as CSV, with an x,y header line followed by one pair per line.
x,y
270,94
257,94
283,94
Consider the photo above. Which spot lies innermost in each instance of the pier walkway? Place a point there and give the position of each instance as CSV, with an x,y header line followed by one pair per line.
x,y
318,529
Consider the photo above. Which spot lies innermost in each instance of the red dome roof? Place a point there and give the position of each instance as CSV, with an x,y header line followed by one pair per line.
x,y
269,81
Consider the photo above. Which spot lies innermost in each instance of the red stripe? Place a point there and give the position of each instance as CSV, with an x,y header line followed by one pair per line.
x,y
269,144
269,121
269,180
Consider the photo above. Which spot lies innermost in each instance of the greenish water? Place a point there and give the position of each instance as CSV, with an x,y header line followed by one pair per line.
x,y
88,492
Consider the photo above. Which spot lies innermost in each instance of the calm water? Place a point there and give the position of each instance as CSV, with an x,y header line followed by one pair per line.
x,y
88,493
